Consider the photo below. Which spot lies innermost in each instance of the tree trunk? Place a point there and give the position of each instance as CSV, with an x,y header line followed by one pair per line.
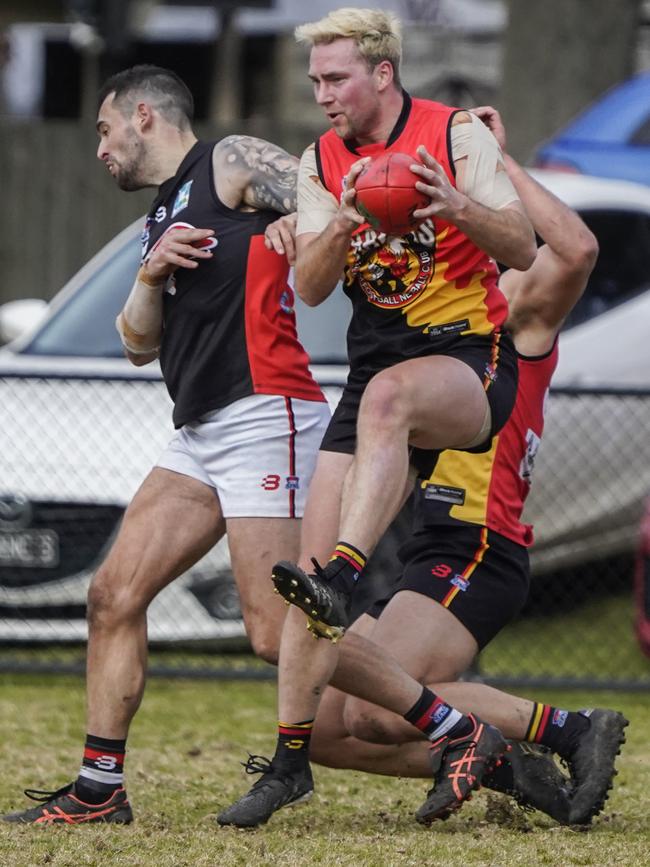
x,y
560,55
226,92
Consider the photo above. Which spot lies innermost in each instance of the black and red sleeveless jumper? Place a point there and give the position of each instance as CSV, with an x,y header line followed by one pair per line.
x,y
229,327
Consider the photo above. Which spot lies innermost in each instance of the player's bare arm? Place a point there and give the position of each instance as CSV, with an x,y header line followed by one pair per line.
x,y
505,234
253,172
321,256
140,323
541,297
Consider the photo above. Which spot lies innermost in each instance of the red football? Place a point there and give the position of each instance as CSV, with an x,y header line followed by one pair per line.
x,y
386,194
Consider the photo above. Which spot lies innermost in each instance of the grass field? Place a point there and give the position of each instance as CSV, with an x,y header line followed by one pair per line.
x,y
183,767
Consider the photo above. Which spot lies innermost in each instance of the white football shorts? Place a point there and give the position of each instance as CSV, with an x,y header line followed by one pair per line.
x,y
258,453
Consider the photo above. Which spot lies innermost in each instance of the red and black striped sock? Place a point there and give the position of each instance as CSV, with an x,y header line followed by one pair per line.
x,y
292,750
435,718
555,728
102,769
345,566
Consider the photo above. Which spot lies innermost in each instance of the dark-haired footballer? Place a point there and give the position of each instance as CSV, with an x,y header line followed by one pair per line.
x,y
211,302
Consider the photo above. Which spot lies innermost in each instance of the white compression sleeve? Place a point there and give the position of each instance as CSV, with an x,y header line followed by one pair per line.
x,y
316,205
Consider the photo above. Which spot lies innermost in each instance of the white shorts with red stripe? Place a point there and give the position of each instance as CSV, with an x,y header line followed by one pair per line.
x,y
258,453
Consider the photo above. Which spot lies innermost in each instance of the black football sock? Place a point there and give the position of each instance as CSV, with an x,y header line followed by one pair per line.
x,y
557,729
102,769
344,567
435,718
292,750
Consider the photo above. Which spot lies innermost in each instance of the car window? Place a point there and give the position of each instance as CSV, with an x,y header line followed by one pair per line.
x,y
322,329
622,269
85,324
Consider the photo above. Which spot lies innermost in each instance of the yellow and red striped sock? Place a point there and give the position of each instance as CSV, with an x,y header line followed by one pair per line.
x,y
555,728
345,566
355,558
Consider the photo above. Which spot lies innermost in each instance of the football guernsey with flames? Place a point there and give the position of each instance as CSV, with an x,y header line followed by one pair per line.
x,y
433,283
430,292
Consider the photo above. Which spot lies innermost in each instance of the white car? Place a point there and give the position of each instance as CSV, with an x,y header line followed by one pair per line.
x,y
593,470
605,342
82,427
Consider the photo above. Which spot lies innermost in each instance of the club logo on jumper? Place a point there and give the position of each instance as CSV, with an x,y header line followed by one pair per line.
x,y
460,582
182,199
392,272
293,483
286,301
204,244
559,718
527,464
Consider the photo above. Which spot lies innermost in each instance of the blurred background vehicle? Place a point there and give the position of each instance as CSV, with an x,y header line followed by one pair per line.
x,y
593,470
610,138
604,343
83,426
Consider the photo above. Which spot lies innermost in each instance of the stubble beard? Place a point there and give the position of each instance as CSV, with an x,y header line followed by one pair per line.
x,y
358,128
130,176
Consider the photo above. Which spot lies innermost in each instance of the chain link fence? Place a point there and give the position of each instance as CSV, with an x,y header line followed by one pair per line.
x,y
584,614
74,449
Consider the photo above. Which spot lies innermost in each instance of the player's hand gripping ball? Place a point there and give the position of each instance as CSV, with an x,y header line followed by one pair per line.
x,y
386,194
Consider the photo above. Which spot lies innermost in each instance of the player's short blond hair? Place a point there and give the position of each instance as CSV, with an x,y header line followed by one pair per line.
x,y
377,33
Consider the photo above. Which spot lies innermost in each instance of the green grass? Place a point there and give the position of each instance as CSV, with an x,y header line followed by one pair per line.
x,y
183,767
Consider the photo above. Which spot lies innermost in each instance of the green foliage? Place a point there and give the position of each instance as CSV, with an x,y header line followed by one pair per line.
x,y
182,767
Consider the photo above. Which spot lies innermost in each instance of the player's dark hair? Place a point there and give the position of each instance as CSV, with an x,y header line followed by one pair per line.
x,y
165,90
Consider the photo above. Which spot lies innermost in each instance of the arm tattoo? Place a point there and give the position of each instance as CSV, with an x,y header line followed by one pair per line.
x,y
272,172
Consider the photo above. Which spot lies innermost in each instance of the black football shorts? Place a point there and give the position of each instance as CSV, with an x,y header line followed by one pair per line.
x,y
494,360
480,576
